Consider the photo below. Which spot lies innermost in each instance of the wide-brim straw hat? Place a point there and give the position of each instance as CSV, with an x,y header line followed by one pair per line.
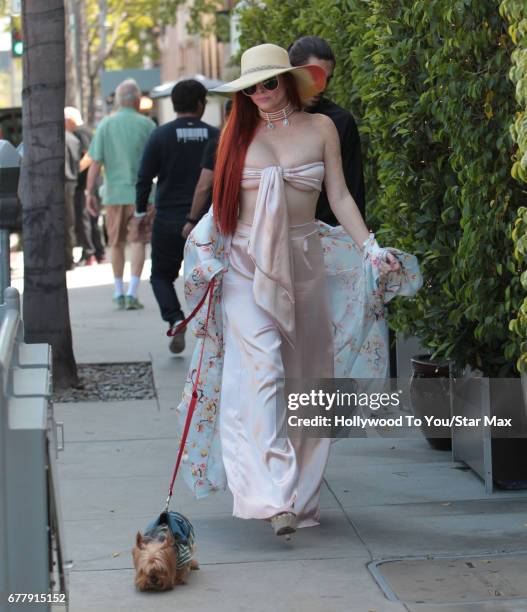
x,y
266,61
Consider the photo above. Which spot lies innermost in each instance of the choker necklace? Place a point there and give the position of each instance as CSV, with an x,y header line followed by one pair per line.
x,y
282,115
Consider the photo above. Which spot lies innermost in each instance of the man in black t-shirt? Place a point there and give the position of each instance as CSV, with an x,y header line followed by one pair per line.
x,y
203,193
201,199
173,154
315,50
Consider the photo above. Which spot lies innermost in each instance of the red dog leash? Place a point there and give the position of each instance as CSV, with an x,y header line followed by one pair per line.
x,y
209,292
183,324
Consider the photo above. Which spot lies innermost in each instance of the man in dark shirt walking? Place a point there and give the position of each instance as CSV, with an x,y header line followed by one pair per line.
x,y
173,154
86,226
315,50
202,198
71,175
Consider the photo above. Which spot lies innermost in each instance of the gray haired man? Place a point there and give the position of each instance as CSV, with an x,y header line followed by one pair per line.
x,y
118,145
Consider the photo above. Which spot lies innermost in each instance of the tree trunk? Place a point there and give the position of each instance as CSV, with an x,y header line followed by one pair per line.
x,y
46,310
96,56
85,89
70,36
103,14
91,101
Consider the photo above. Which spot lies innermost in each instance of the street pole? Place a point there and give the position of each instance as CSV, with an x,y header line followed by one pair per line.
x,y
15,10
13,79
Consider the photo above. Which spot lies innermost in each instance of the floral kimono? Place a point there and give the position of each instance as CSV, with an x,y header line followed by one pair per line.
x,y
357,297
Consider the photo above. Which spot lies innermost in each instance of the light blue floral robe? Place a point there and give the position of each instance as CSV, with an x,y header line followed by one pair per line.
x,y
357,295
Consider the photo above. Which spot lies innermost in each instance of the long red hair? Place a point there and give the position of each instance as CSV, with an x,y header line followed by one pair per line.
x,y
235,139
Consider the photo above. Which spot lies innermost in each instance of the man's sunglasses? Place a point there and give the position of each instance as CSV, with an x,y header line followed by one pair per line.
x,y
271,84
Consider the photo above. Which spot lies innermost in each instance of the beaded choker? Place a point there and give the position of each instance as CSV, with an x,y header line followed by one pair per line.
x,y
281,115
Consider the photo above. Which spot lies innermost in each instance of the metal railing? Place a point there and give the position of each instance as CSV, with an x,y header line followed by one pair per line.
x,y
30,552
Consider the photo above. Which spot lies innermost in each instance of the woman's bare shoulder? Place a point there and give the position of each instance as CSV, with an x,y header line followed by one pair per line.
x,y
318,118
321,123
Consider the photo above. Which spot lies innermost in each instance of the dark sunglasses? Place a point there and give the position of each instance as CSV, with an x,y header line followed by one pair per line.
x,y
271,84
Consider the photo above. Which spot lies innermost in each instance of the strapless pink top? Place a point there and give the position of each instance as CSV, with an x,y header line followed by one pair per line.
x,y
307,177
269,245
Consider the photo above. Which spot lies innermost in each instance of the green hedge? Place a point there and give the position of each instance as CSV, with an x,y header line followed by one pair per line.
x,y
516,13
427,82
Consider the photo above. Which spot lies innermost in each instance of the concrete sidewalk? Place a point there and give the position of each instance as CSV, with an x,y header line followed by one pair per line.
x,y
382,499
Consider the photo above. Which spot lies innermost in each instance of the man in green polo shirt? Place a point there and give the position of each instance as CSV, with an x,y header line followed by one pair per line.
x,y
118,146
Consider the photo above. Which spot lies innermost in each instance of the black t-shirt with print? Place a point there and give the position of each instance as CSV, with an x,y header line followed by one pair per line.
x,y
174,154
209,155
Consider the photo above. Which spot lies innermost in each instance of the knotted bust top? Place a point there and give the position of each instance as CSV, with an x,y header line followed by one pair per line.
x,y
269,244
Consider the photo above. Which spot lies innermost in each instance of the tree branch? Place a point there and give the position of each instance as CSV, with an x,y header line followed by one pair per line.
x,y
102,56
115,34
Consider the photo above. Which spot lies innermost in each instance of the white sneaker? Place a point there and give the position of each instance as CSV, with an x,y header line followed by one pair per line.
x,y
177,342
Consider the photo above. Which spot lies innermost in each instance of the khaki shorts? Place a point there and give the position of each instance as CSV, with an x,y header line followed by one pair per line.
x,y
123,228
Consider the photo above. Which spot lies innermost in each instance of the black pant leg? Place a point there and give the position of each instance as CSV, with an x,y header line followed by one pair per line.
x,y
69,223
96,234
82,224
167,256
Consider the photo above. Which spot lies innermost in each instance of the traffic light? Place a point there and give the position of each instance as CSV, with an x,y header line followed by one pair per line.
x,y
17,43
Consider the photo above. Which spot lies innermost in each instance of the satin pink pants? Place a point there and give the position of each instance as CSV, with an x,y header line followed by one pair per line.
x,y
267,474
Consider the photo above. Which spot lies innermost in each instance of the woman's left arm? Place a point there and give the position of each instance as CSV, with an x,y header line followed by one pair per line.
x,y
340,199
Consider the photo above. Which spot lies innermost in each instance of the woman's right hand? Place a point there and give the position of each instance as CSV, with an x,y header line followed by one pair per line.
x,y
390,263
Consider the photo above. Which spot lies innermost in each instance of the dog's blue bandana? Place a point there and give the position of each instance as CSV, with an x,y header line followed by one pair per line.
x,y
182,532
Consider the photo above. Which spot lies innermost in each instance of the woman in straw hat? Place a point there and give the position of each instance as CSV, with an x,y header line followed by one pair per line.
x,y
274,318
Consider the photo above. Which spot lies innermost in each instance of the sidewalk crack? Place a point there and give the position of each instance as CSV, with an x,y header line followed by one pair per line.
x,y
349,520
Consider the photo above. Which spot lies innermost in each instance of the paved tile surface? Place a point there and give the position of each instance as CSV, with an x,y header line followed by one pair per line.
x,y
382,498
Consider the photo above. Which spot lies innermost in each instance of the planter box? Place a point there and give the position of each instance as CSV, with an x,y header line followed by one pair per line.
x,y
406,348
497,460
430,398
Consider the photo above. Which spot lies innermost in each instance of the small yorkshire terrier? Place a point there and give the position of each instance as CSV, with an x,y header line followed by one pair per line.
x,y
160,560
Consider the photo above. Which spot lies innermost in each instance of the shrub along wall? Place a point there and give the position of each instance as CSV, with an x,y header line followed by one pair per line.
x,y
428,84
516,13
